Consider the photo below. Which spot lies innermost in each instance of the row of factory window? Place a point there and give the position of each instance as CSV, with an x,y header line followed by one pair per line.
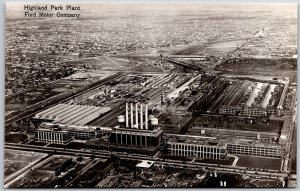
x,y
199,148
243,150
52,141
252,111
191,153
237,119
255,154
136,139
62,137
82,135
247,112
256,151
250,147
52,137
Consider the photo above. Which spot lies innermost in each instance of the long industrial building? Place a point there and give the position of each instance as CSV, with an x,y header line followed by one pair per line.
x,y
255,149
71,114
193,146
214,148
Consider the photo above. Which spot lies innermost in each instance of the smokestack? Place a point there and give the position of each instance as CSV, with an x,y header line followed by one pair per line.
x,y
141,115
127,115
131,115
136,115
146,116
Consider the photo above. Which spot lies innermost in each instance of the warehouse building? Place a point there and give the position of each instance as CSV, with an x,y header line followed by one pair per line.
x,y
71,114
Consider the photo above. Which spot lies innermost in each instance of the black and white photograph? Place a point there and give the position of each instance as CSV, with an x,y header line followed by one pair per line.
x,y
150,95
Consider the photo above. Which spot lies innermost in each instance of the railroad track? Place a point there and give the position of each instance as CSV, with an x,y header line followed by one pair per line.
x,y
204,102
110,118
235,99
180,63
230,94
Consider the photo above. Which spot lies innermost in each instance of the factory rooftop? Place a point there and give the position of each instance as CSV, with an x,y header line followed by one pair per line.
x,y
203,140
71,114
52,127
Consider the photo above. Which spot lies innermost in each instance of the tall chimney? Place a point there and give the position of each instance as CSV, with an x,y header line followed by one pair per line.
x,y
141,115
146,116
136,115
131,115
127,115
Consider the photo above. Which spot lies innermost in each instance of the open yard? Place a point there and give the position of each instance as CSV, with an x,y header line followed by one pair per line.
x,y
53,163
16,160
42,175
259,162
227,161
75,145
15,138
37,143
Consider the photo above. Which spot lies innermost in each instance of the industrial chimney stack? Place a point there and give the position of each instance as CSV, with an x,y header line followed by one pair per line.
x,y
134,116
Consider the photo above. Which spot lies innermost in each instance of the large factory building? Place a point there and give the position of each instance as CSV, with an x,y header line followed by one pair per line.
x,y
196,146
52,133
196,150
135,132
252,149
70,114
135,129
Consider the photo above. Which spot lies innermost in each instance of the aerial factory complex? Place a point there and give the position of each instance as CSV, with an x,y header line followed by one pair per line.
x,y
199,95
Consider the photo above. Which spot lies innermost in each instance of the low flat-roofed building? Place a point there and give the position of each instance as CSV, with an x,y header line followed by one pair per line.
x,y
145,164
